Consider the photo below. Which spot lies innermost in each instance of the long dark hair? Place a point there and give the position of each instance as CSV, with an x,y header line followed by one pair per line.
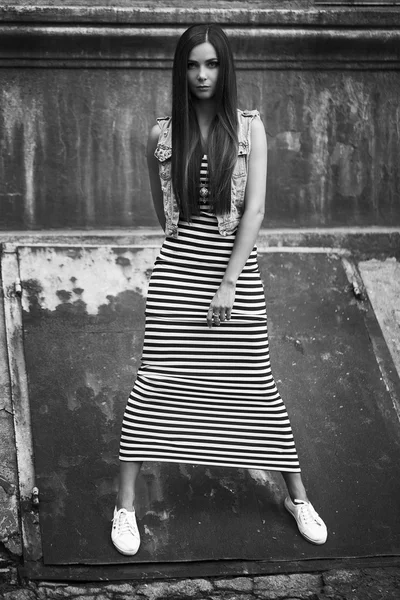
x,y
222,137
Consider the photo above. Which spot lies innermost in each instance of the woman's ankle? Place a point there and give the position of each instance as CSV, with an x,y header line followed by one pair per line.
x,y
295,486
125,501
298,495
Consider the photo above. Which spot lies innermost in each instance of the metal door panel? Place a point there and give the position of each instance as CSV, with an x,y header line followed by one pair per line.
x,y
83,325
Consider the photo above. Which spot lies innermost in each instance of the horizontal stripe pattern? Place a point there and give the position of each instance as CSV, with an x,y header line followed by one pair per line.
x,y
206,396
204,202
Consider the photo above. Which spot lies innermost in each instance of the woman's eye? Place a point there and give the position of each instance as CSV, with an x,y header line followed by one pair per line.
x,y
191,65
213,64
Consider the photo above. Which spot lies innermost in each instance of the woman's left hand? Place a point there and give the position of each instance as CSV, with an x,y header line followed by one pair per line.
x,y
221,305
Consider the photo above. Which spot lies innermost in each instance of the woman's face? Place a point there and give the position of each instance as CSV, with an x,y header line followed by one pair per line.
x,y
202,71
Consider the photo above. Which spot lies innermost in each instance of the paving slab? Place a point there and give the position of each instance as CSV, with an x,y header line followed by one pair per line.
x,y
382,282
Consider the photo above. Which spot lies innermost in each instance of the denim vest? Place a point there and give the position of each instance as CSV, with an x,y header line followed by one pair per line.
x,y
227,223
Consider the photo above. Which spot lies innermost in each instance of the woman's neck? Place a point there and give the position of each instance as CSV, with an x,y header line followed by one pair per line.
x,y
205,112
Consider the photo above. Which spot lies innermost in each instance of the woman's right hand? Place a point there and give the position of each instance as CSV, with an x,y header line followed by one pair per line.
x,y
221,305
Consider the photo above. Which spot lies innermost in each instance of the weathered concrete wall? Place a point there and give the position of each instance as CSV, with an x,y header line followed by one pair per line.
x,y
73,147
129,3
333,146
74,127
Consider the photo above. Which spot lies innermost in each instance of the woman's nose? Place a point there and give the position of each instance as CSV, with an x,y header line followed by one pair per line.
x,y
202,75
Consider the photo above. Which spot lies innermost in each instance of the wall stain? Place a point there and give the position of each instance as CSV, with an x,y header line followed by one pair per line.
x,y
64,295
68,279
123,261
73,147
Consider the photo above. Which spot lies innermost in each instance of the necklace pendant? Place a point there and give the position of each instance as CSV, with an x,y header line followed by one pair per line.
x,y
204,192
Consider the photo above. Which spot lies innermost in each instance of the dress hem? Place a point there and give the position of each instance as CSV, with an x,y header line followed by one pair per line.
x,y
281,469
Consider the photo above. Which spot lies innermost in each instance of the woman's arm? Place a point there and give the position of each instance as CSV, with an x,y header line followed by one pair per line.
x,y
155,184
249,225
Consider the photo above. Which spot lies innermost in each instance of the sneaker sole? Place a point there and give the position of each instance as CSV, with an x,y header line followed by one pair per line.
x,y
124,552
301,533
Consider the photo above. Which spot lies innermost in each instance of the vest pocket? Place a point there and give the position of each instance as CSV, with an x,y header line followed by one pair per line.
x,y
238,183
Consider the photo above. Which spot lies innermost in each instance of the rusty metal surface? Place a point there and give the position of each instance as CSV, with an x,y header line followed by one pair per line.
x,y
9,523
82,342
232,568
14,344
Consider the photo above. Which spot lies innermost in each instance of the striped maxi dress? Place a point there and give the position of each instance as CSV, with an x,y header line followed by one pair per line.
x,y
205,396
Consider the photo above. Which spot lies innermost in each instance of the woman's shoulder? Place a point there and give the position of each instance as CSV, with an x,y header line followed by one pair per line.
x,y
251,128
162,119
163,122
250,121
248,114
161,125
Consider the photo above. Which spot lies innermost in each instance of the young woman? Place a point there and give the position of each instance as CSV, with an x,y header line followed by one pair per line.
x,y
204,393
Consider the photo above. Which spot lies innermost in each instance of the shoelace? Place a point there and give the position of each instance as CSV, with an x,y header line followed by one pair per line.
x,y
308,514
124,524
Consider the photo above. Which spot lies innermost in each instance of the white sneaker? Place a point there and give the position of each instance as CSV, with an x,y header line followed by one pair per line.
x,y
310,524
124,533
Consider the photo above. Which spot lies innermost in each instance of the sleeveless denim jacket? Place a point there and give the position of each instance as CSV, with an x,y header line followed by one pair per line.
x,y
227,223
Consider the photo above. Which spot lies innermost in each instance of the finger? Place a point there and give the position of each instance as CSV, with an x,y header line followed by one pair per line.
x,y
210,317
228,313
217,318
222,315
